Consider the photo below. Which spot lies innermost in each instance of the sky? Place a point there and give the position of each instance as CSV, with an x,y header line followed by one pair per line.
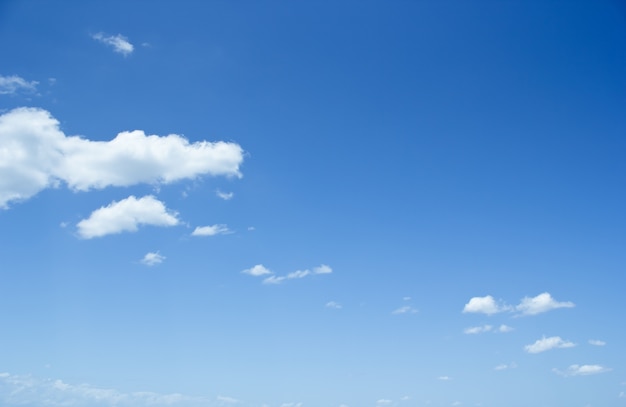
x,y
313,204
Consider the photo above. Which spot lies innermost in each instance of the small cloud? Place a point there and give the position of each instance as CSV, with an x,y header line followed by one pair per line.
x,y
333,305
10,85
152,258
596,342
477,329
622,395
444,378
484,305
322,269
384,402
227,400
210,230
581,370
456,403
225,195
504,366
251,228
504,329
406,298
119,43
126,216
540,304
405,310
544,344
405,398
256,271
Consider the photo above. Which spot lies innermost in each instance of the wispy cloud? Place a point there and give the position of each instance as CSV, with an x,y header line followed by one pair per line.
x,y
126,216
322,269
211,230
444,378
581,370
227,400
38,155
152,259
596,342
225,195
29,390
477,329
406,309
10,85
119,43
545,344
540,304
504,329
333,305
505,366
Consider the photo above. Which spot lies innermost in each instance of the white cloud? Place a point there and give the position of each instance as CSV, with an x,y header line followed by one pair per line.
x,y
444,378
227,400
258,270
504,328
333,305
405,310
477,329
126,216
544,344
622,395
596,342
384,402
35,154
119,43
456,403
10,85
210,230
29,390
322,269
152,258
505,366
541,303
484,305
406,298
225,195
582,370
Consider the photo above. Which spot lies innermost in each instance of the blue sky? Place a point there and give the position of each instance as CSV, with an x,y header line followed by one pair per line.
x,y
307,204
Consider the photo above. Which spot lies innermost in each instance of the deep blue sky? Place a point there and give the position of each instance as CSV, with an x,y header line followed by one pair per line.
x,y
436,191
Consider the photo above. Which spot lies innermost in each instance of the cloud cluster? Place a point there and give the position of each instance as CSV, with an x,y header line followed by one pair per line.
x,y
29,390
260,270
581,370
406,309
126,216
528,305
10,85
333,305
118,42
35,154
544,344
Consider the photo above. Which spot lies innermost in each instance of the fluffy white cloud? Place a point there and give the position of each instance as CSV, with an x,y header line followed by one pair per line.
x,y
504,329
544,344
210,230
118,42
35,154
10,85
152,258
333,305
541,303
484,305
126,216
322,269
477,329
596,342
405,310
582,370
29,390
225,195
258,270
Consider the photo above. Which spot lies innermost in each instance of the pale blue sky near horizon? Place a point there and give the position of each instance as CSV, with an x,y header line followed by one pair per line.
x,y
343,204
